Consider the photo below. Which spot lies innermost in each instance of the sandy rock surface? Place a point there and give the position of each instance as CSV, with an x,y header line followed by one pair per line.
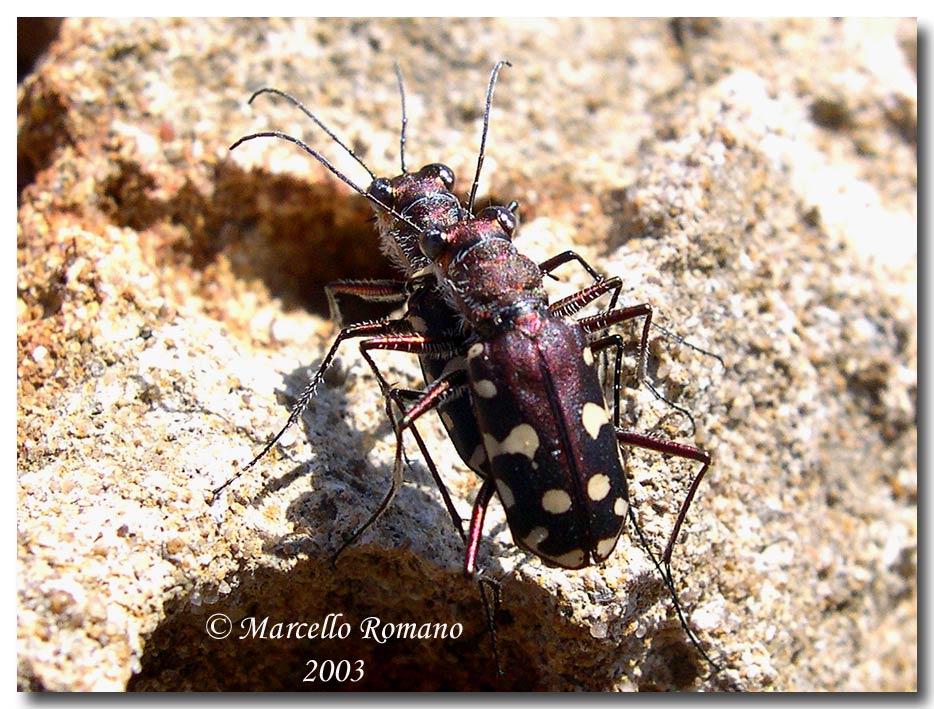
x,y
755,181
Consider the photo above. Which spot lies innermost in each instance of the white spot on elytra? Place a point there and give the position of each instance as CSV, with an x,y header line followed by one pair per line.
x,y
594,417
522,439
485,388
535,537
605,547
620,507
588,356
505,493
475,350
598,487
556,501
572,559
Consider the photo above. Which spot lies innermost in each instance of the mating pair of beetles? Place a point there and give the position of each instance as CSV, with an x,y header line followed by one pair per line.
x,y
513,377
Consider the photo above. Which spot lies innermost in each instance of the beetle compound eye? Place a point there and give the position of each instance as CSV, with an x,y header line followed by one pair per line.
x,y
381,190
503,216
432,243
442,172
507,219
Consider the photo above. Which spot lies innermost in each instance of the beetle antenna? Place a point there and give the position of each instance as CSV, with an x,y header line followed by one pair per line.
x,y
301,107
405,118
337,173
486,127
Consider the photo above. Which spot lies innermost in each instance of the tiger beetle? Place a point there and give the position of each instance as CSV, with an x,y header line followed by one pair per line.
x,y
513,378
405,205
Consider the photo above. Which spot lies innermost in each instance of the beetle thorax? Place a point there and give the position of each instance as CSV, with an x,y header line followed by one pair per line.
x,y
492,284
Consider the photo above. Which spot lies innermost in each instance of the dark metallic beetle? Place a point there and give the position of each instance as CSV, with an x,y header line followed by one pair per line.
x,y
513,378
407,205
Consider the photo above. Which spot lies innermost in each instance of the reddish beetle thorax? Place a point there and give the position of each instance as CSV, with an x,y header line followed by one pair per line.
x,y
491,284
